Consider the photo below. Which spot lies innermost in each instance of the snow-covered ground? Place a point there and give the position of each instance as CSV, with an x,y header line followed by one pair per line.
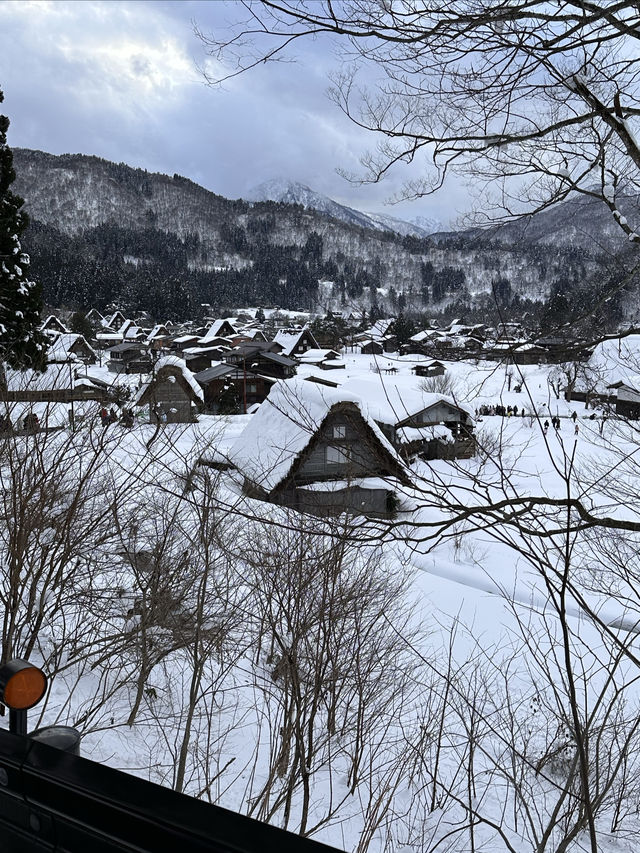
x,y
448,708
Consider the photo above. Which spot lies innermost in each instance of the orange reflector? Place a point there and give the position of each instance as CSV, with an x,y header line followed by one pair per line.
x,y
25,689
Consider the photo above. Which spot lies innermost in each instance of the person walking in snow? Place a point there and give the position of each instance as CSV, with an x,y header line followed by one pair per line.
x,y
574,416
546,427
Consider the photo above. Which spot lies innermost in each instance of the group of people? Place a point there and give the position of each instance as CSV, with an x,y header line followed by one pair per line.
x,y
556,423
502,411
111,417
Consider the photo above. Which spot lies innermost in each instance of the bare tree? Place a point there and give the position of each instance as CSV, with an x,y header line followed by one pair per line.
x,y
333,676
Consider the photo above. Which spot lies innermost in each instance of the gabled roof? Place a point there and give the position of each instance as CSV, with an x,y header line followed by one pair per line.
x,y
60,349
396,400
169,366
286,423
158,331
379,329
214,330
56,377
216,371
239,354
183,339
129,330
319,354
288,339
53,324
110,320
126,347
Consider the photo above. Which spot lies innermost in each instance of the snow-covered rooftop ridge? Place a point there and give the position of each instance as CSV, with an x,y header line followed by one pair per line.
x,y
615,360
288,338
175,362
56,377
392,399
284,426
59,349
214,330
54,321
317,353
158,330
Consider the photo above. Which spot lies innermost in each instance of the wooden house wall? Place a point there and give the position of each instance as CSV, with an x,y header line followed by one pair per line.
x,y
628,403
362,458
427,370
213,389
371,348
355,499
439,413
167,395
196,363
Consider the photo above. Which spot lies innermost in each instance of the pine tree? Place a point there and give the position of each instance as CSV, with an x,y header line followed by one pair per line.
x,y
79,324
22,345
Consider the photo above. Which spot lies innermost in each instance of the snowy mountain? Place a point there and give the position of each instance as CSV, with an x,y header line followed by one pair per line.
x,y
292,192
103,231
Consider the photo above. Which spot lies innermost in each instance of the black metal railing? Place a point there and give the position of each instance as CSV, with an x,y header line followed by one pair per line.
x,y
51,800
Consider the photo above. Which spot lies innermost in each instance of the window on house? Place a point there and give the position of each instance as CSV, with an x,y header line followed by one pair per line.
x,y
339,432
252,388
337,455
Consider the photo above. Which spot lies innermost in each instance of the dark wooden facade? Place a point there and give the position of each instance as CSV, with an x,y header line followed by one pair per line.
x,y
434,368
129,358
170,398
345,447
249,388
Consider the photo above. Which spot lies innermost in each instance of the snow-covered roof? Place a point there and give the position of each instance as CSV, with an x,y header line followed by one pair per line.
x,y
393,399
214,331
158,331
171,361
60,349
117,317
284,425
288,339
379,329
56,377
183,339
386,483
409,434
252,333
616,360
317,354
52,323
129,330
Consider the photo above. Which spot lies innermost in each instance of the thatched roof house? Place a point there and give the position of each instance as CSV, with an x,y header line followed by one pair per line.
x,y
316,449
172,393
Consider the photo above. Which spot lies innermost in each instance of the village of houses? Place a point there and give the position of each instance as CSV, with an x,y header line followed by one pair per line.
x,y
323,430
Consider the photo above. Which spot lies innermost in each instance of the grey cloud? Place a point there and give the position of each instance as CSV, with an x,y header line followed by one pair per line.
x,y
276,121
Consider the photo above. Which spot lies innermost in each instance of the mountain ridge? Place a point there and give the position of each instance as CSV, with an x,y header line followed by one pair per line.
x,y
104,232
288,191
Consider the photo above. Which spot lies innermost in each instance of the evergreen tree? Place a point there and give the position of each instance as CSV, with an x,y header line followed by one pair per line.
x,y
79,324
22,345
403,329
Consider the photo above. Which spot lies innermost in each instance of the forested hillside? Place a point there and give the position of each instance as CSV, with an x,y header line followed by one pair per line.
x,y
105,233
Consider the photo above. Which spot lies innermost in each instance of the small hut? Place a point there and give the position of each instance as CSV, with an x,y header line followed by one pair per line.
x,y
172,394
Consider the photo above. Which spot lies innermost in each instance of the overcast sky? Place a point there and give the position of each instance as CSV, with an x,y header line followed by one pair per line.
x,y
121,80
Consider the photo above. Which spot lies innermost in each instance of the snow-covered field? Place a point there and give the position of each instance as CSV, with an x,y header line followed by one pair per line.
x,y
461,677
